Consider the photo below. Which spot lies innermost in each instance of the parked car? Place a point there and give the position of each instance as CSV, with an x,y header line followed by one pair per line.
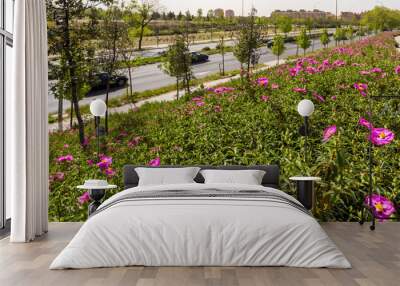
x,y
288,39
198,58
99,81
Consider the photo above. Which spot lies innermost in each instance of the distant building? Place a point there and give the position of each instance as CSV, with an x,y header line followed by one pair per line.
x,y
303,14
219,13
350,16
229,13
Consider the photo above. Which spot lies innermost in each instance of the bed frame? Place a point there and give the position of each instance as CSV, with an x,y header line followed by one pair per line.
x,y
271,177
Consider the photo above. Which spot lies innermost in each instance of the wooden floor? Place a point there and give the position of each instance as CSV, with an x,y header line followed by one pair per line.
x,y
375,257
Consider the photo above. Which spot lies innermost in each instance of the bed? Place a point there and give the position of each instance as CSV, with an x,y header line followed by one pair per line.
x,y
198,224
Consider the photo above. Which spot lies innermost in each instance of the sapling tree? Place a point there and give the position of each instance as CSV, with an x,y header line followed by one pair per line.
x,y
111,31
221,45
278,47
144,16
350,33
248,42
177,60
303,41
324,38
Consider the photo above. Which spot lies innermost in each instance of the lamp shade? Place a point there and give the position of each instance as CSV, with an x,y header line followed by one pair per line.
x,y
305,108
98,107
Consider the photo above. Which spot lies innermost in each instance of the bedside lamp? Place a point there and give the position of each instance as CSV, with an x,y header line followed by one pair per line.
x,y
98,109
306,109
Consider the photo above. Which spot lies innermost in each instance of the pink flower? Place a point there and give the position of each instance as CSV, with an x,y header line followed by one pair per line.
x,y
90,162
295,71
123,134
365,72
200,103
197,98
86,142
381,136
339,63
263,81
362,88
105,162
311,70
109,172
275,86
223,89
318,97
364,122
381,206
217,108
397,70
264,98
329,132
333,97
66,146
300,90
67,158
326,62
57,177
155,162
376,70
84,198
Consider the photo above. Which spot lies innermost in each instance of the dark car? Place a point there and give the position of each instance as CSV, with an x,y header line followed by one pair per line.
x,y
198,58
99,81
286,40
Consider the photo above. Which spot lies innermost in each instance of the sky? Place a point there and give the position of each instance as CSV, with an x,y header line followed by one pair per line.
x,y
265,7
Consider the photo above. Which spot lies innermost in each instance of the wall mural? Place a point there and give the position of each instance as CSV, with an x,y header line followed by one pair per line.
x,y
256,122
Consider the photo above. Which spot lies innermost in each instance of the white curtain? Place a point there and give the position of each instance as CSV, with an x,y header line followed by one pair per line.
x,y
26,124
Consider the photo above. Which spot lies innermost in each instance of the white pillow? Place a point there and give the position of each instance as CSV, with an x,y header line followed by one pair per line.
x,y
247,177
166,176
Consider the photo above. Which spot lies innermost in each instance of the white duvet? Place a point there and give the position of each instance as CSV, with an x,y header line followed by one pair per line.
x,y
200,232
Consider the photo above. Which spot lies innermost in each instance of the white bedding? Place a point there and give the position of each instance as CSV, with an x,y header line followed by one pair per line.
x,y
200,232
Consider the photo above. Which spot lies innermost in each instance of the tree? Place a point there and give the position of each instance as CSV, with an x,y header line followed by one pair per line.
x,y
285,25
340,35
111,31
127,44
145,11
350,33
69,41
210,14
325,40
309,26
278,47
177,60
188,16
303,40
248,41
199,13
221,45
381,19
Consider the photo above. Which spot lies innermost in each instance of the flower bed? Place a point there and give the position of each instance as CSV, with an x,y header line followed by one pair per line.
x,y
258,123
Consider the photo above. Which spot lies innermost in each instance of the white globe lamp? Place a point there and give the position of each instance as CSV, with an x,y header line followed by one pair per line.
x,y
98,108
305,108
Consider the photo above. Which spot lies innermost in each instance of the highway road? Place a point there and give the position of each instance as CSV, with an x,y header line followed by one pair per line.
x,y
151,77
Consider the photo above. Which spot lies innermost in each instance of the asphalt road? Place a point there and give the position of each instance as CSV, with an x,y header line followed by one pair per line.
x,y
151,77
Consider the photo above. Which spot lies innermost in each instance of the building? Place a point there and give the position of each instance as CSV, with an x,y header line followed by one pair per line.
x,y
303,14
219,13
229,13
350,16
